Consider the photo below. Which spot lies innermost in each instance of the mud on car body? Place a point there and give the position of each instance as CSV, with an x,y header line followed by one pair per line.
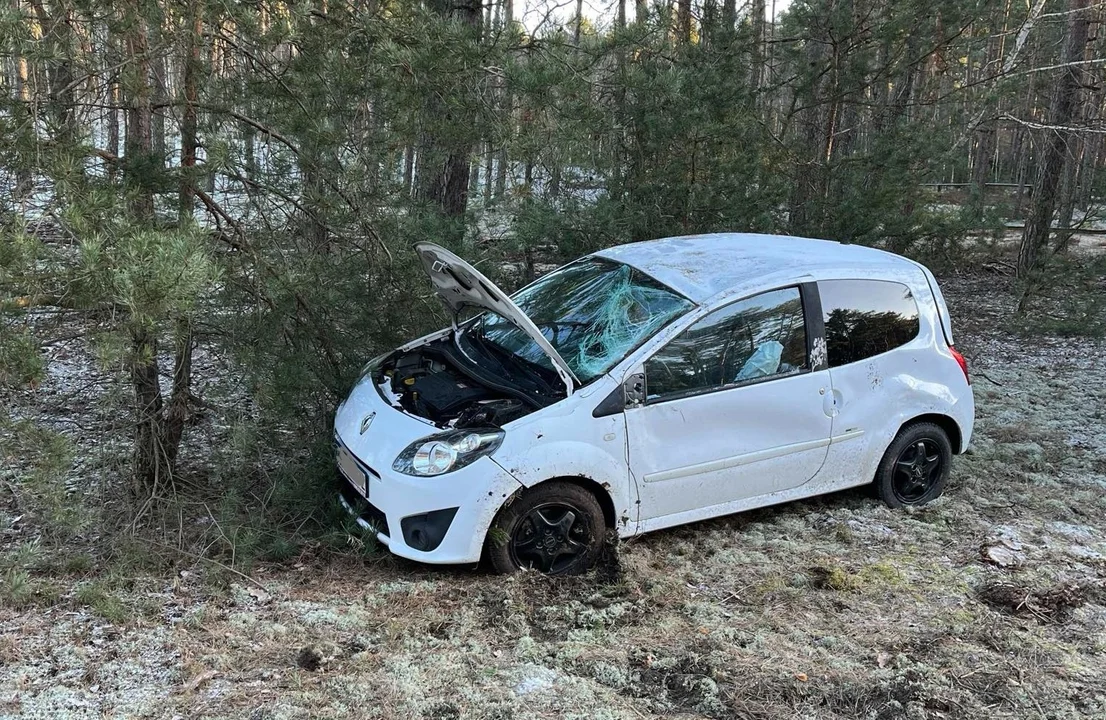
x,y
650,385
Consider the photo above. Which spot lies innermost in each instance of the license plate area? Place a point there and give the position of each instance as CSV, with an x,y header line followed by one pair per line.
x,y
348,466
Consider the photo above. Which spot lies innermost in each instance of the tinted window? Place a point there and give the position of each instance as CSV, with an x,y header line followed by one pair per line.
x,y
750,339
866,317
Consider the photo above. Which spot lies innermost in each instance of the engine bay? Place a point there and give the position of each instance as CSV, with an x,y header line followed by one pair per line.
x,y
432,382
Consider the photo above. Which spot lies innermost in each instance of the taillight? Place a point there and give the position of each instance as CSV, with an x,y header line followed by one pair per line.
x,y
962,362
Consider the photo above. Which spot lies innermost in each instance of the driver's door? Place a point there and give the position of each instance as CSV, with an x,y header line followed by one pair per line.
x,y
733,409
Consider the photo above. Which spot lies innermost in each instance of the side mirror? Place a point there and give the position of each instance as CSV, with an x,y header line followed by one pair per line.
x,y
633,389
629,395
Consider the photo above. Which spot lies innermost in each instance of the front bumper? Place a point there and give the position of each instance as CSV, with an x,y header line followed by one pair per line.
x,y
449,514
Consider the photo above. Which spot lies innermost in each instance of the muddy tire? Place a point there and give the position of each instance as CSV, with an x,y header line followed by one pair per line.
x,y
556,528
915,467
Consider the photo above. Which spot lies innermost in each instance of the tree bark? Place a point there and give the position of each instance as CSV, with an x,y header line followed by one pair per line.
x,y
1056,149
443,172
150,462
683,20
137,146
502,158
188,140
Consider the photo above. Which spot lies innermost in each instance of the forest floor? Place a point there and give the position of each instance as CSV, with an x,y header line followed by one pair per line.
x,y
989,603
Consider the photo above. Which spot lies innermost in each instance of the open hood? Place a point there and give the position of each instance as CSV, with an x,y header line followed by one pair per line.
x,y
461,285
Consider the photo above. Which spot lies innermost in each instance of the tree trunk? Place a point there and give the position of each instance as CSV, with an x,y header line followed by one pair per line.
x,y
137,146
443,172
151,465
981,164
1056,149
683,20
759,44
502,158
409,169
176,415
150,462
160,95
729,14
113,124
188,140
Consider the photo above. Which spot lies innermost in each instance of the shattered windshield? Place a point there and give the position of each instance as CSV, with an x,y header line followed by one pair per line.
x,y
593,312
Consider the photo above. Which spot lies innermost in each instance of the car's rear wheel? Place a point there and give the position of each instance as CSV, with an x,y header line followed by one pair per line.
x,y
915,467
556,528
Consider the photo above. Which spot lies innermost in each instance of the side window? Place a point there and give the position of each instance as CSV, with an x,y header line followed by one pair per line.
x,y
754,338
866,317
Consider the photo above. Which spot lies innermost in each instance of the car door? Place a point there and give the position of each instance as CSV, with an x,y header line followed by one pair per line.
x,y
874,344
734,408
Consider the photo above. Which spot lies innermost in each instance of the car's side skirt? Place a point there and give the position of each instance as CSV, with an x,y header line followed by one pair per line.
x,y
810,489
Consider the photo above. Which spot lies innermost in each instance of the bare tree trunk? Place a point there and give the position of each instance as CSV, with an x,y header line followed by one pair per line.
x,y
683,20
729,14
409,169
176,415
502,158
160,96
113,124
1068,193
188,140
23,179
1056,149
137,147
529,273
489,163
443,173
757,11
150,462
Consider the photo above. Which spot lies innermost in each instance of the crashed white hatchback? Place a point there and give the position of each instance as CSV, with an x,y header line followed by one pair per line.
x,y
649,385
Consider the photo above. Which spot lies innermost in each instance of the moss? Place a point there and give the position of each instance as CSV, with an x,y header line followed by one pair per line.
x,y
883,574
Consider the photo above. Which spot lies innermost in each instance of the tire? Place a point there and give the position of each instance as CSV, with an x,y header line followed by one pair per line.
x,y
915,467
536,531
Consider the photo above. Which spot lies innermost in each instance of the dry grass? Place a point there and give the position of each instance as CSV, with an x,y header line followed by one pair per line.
x,y
832,608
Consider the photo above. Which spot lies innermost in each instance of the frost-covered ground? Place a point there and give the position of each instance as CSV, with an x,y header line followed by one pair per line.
x,y
987,604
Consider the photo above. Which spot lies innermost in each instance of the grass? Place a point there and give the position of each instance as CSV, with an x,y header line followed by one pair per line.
x,y
101,599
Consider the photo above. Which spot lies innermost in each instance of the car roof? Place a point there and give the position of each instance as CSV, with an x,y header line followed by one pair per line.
x,y
702,266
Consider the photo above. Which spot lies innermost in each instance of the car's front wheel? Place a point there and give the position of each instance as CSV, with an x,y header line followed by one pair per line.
x,y
915,467
555,527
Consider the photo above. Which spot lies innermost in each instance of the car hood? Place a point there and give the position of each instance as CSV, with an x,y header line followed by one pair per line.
x,y
460,285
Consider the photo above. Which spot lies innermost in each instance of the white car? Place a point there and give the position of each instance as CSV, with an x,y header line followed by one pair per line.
x,y
650,385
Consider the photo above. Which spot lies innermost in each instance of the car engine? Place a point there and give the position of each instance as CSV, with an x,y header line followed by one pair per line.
x,y
427,383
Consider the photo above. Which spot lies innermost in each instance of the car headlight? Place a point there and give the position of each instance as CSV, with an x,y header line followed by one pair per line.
x,y
448,451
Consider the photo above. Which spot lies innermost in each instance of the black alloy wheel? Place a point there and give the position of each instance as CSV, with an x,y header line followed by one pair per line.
x,y
918,466
915,467
550,538
556,528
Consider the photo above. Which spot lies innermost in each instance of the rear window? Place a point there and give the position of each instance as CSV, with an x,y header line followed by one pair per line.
x,y
865,318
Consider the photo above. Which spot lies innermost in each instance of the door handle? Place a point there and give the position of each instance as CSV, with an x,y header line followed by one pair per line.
x,y
829,402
